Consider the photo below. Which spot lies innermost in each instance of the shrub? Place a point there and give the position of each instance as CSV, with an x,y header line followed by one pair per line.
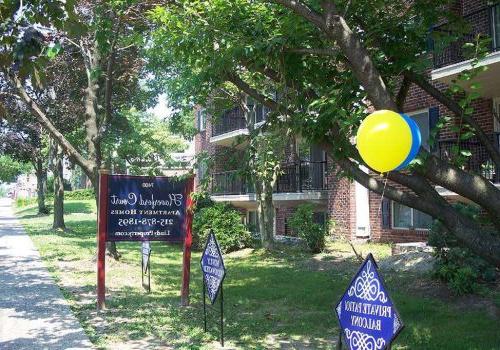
x,y
226,223
455,264
80,194
50,184
24,202
302,222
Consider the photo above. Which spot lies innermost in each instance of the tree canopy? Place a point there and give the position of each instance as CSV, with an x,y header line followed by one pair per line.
x,y
320,66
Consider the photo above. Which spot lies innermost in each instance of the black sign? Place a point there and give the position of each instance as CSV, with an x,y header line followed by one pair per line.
x,y
145,208
367,316
212,266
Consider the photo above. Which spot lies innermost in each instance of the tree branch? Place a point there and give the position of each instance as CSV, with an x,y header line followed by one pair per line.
x,y
47,124
453,106
314,51
10,95
243,86
108,91
403,93
304,11
336,28
471,186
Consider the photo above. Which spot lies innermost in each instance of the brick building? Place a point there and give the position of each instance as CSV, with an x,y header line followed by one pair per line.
x,y
308,176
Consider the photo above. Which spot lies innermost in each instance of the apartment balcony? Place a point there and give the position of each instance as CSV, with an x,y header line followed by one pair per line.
x,y
226,129
301,181
479,162
452,60
232,125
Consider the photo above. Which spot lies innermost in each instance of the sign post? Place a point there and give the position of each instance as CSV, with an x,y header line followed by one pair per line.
x,y
143,208
367,316
214,272
101,238
145,264
188,241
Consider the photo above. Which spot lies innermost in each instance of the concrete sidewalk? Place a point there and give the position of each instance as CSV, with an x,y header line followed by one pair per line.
x,y
33,313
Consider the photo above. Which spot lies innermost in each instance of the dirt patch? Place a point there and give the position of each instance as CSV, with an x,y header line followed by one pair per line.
x,y
416,262
148,343
243,253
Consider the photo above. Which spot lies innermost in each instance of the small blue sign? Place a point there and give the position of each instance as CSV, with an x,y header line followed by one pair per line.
x,y
368,318
212,266
146,208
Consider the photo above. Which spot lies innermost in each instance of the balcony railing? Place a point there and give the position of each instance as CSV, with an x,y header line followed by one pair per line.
x,y
302,176
231,120
229,182
478,162
295,177
482,22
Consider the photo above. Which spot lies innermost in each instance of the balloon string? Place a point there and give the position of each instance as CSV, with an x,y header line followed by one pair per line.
x,y
383,192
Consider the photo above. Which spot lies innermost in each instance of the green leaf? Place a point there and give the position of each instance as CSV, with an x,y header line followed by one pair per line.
x,y
466,153
54,50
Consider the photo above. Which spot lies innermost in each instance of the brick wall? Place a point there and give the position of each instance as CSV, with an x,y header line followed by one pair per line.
x,y
417,100
282,214
341,202
469,6
380,234
202,142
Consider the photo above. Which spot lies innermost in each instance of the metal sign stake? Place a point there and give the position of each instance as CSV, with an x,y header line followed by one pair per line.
x,y
222,314
204,307
214,272
146,269
366,311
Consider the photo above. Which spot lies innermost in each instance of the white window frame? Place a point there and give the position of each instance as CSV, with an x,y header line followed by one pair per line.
x,y
496,109
247,218
411,216
420,111
201,115
494,8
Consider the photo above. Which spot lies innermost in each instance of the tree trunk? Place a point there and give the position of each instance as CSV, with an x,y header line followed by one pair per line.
x,y
266,216
41,180
92,162
110,246
58,170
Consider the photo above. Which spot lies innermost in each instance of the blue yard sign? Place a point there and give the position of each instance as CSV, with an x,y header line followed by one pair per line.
x,y
368,318
145,208
212,266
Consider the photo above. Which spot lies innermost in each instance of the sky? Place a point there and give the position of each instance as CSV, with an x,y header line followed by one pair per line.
x,y
163,111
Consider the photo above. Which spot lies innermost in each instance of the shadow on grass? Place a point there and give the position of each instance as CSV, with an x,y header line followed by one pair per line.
x,y
273,299
84,207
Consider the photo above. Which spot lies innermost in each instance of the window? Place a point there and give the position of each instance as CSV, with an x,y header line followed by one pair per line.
x,y
495,18
409,218
202,171
320,218
260,113
496,111
253,221
201,119
422,120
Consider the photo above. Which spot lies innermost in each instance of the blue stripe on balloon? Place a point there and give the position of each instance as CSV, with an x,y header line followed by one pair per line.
x,y
415,144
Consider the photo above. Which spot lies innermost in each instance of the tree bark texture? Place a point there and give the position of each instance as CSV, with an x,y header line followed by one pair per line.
x,y
41,181
266,217
58,170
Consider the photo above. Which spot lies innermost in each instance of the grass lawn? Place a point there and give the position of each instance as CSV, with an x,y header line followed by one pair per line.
x,y
279,300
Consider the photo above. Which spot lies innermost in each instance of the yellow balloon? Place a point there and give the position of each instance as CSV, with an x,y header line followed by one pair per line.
x,y
384,140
